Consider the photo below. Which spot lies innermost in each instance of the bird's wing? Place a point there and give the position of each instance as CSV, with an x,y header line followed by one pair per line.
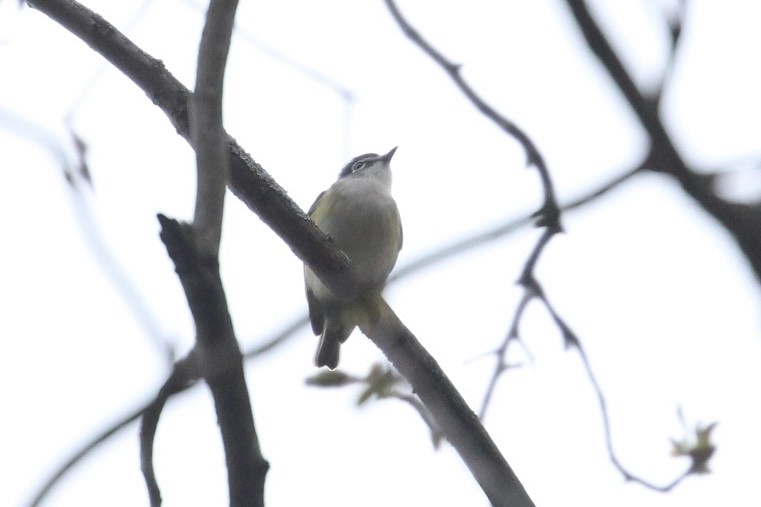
x,y
313,207
316,317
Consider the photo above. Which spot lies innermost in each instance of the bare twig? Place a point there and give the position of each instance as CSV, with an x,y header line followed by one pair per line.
x,y
64,468
184,374
501,366
549,213
508,227
676,26
607,427
571,341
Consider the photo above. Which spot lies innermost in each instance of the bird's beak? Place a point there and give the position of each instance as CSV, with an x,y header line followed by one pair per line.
x,y
387,157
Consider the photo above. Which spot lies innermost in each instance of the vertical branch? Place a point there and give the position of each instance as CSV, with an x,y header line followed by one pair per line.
x,y
206,131
194,251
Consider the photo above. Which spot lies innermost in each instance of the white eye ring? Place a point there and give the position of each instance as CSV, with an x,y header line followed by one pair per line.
x,y
358,165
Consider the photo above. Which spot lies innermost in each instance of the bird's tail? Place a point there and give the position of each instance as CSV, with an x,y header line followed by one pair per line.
x,y
330,345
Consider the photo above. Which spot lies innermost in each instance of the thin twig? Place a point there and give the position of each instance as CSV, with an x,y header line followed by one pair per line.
x,y
64,468
479,239
549,213
609,433
185,373
676,28
501,364
300,67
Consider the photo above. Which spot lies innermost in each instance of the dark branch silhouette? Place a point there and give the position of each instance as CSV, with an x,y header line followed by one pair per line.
x,y
194,250
742,221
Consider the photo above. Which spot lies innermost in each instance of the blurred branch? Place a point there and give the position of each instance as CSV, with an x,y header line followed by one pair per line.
x,y
307,71
675,25
96,76
508,227
76,175
172,386
742,221
80,454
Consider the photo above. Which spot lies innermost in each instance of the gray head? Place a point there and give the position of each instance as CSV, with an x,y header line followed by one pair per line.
x,y
363,162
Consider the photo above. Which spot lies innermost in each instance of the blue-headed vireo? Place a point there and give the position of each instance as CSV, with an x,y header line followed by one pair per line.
x,y
358,213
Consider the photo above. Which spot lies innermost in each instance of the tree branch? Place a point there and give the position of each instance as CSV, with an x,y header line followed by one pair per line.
x,y
741,220
458,423
549,213
220,361
207,133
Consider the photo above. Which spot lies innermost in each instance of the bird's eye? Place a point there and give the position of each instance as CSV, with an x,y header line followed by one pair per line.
x,y
358,165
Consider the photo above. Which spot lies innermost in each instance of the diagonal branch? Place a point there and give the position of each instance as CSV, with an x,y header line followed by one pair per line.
x,y
458,423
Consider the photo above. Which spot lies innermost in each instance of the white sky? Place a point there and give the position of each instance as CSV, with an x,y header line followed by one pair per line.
x,y
659,295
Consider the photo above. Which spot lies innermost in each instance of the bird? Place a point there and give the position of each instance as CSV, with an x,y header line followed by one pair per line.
x,y
359,215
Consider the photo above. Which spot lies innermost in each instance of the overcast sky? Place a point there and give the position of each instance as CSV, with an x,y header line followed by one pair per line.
x,y
659,295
